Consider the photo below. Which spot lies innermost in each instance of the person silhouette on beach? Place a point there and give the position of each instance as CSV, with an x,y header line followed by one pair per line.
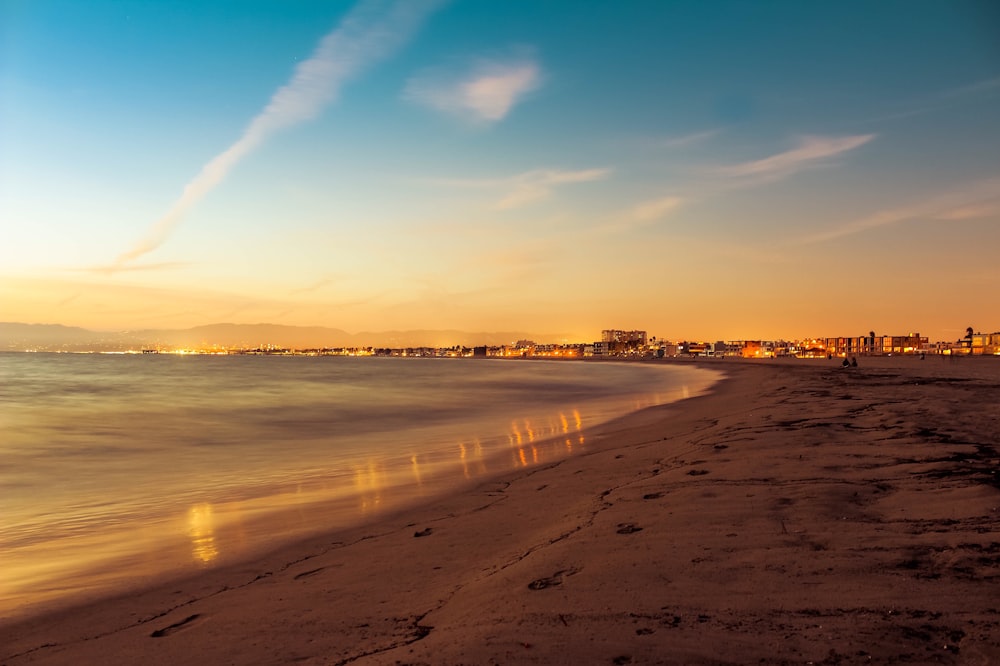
x,y
854,361
845,364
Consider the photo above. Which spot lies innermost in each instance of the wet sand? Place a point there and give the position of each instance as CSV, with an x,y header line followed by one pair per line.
x,y
800,513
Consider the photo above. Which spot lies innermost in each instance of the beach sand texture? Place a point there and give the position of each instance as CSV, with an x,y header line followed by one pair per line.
x,y
799,513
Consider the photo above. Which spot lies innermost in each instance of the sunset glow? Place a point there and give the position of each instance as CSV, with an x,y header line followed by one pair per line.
x,y
698,170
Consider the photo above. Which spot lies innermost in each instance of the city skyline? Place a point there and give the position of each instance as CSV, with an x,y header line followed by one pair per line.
x,y
720,170
21,337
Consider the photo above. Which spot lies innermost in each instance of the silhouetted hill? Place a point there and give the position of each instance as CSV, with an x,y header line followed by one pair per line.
x,y
20,337
54,337
248,336
446,338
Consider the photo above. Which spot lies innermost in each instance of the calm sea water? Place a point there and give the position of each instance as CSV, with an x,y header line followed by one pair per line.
x,y
121,468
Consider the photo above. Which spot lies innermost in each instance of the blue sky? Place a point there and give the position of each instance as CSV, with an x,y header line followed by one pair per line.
x,y
718,170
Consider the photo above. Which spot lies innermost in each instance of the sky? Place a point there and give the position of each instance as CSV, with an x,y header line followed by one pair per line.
x,y
699,170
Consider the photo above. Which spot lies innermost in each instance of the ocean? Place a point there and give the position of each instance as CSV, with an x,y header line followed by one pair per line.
x,y
118,470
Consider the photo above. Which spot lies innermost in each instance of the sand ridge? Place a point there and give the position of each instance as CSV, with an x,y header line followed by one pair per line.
x,y
800,513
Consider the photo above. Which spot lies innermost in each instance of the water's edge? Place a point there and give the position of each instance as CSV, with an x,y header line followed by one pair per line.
x,y
219,533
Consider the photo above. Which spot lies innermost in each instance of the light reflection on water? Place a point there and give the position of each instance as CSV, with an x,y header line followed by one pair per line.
x,y
202,533
141,467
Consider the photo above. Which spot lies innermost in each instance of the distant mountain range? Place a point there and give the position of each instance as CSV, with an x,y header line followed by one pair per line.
x,y
54,337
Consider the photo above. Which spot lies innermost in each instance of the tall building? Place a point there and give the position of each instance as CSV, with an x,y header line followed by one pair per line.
x,y
629,338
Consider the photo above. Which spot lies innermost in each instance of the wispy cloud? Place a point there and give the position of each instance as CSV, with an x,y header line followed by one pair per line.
x,y
811,150
688,139
484,94
650,211
977,200
975,88
527,187
536,185
315,286
940,100
640,215
108,270
366,35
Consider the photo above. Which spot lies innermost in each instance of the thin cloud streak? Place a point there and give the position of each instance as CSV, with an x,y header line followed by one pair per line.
x,y
649,211
986,85
364,37
977,201
940,100
689,139
109,270
536,185
811,150
527,187
641,215
485,95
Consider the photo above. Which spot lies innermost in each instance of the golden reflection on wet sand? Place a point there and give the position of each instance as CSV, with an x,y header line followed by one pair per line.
x,y
369,482
475,457
202,532
213,531
416,470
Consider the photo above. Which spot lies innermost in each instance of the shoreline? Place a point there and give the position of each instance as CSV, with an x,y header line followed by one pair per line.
x,y
797,512
212,529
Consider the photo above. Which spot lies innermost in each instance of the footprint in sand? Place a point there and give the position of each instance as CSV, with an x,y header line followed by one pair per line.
x,y
628,528
306,574
176,626
551,581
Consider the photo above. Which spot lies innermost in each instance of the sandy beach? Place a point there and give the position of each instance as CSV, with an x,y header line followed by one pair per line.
x,y
800,513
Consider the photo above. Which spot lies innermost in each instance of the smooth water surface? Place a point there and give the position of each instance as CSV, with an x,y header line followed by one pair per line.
x,y
124,467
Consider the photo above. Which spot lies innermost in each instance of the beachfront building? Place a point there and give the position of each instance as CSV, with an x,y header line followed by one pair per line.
x,y
605,348
720,349
808,348
870,345
781,348
668,349
693,348
985,344
904,344
761,348
615,342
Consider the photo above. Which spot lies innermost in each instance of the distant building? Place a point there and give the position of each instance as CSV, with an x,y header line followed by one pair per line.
x,y
985,344
604,348
630,338
693,348
875,345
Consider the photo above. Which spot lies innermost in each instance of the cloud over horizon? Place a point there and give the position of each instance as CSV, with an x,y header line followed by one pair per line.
x,y
365,36
484,94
